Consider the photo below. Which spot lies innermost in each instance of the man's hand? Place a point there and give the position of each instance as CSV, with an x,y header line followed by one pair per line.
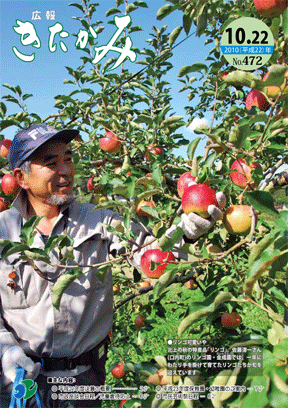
x,y
14,357
194,226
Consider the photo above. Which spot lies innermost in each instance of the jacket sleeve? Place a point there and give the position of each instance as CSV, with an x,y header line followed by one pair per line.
x,y
143,240
7,338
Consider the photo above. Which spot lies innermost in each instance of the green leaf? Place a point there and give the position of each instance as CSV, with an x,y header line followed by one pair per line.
x,y
167,243
192,147
145,195
187,22
197,67
4,242
164,11
102,271
282,222
140,3
131,7
28,230
3,108
36,254
112,11
79,6
150,210
163,281
260,248
285,24
171,120
201,23
135,28
52,242
262,201
62,283
244,78
174,35
260,266
157,175
13,248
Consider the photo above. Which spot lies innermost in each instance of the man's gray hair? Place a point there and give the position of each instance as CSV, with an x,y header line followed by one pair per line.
x,y
26,166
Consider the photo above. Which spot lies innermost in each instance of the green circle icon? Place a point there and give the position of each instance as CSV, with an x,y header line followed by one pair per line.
x,y
247,43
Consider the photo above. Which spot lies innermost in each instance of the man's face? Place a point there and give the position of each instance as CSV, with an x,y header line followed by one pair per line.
x,y
51,174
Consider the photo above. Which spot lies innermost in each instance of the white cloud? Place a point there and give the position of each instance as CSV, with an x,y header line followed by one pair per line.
x,y
197,122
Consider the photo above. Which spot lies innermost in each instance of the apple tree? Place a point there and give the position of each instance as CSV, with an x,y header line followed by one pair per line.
x,y
237,272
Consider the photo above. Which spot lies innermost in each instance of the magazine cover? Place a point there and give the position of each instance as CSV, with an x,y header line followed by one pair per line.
x,y
143,204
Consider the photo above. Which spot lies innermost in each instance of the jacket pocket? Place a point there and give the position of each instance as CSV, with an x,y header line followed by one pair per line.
x,y
25,294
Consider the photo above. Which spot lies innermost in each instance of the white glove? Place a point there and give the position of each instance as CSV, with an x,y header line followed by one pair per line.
x,y
14,357
194,226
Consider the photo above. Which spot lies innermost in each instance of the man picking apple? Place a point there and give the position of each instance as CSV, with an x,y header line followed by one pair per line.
x,y
71,341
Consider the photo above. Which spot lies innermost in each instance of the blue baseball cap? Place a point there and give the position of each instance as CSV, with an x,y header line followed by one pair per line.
x,y
26,142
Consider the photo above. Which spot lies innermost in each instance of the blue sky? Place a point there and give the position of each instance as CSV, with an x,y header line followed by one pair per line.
x,y
44,76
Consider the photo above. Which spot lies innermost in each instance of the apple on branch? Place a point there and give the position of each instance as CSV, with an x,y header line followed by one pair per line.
x,y
139,321
184,180
4,147
257,99
156,256
3,206
118,371
144,284
153,150
237,219
273,91
271,8
242,176
9,184
110,143
141,212
197,199
230,320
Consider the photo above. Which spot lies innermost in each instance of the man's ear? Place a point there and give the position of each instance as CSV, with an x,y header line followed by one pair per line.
x,y
21,178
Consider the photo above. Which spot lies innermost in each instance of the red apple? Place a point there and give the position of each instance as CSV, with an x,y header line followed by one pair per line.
x,y
9,184
191,284
152,150
256,98
230,320
118,371
90,185
197,199
237,219
243,174
224,75
184,180
110,143
139,321
144,284
155,255
4,147
3,206
271,8
143,213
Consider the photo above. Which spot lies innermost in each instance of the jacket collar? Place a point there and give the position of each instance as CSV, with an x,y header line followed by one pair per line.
x,y
21,204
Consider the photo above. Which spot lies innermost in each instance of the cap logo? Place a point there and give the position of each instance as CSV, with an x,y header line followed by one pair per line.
x,y
34,132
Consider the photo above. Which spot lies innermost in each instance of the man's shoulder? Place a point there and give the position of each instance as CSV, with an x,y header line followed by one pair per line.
x,y
9,220
9,215
86,213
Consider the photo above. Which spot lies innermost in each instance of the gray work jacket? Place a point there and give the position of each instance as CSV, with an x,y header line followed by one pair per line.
x,y
28,317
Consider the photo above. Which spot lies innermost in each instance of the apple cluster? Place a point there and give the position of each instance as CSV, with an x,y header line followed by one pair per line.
x,y
9,185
